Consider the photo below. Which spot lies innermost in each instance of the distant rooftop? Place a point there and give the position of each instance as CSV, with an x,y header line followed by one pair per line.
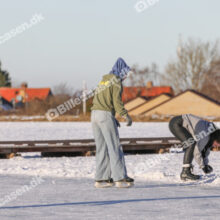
x,y
31,93
149,91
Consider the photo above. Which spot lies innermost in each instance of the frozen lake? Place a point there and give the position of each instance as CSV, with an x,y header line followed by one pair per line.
x,y
67,191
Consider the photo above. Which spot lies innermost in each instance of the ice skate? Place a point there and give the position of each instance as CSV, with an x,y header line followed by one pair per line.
x,y
125,183
188,175
104,183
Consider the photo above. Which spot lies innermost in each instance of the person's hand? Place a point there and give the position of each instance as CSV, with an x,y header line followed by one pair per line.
x,y
207,169
117,123
128,120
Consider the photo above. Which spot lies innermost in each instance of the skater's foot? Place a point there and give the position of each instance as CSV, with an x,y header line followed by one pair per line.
x,y
188,175
125,183
104,183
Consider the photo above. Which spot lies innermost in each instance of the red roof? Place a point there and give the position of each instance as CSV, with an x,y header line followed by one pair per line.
x,y
132,92
31,93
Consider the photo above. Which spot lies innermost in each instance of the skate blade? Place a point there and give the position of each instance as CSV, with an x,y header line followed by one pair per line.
x,y
123,185
103,185
190,180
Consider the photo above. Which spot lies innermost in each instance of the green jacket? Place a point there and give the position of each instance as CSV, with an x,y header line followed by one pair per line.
x,y
108,95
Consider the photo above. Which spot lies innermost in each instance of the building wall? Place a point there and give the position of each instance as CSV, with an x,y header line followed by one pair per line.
x,y
134,103
186,103
150,104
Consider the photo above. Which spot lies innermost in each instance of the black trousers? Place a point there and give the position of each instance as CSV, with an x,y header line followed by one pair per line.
x,y
177,129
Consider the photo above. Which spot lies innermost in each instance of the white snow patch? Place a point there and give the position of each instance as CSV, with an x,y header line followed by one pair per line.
x,y
150,167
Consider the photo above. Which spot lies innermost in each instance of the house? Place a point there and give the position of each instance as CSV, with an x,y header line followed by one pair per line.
x,y
24,94
4,104
187,102
149,91
134,103
149,104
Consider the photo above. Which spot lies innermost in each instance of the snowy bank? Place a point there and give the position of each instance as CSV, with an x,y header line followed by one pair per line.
x,y
150,167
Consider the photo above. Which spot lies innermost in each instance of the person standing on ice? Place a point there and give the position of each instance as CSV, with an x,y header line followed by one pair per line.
x,y
110,163
198,136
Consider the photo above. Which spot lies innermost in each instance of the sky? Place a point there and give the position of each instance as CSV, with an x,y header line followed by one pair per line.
x,y
81,39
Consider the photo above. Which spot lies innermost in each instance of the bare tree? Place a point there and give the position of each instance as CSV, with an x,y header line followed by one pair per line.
x,y
211,83
141,76
16,83
63,89
194,59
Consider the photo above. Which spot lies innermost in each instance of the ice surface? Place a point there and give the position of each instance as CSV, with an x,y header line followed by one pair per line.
x,y
74,130
67,191
73,198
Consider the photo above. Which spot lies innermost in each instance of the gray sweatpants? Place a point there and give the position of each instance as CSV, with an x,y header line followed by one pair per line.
x,y
110,161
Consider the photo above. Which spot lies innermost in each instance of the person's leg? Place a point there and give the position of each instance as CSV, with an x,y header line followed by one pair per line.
x,y
182,134
110,133
176,127
121,153
188,155
103,169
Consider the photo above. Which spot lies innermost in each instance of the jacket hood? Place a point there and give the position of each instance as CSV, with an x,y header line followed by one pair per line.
x,y
120,68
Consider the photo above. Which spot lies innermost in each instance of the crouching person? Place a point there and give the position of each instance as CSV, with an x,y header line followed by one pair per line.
x,y
110,163
198,136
